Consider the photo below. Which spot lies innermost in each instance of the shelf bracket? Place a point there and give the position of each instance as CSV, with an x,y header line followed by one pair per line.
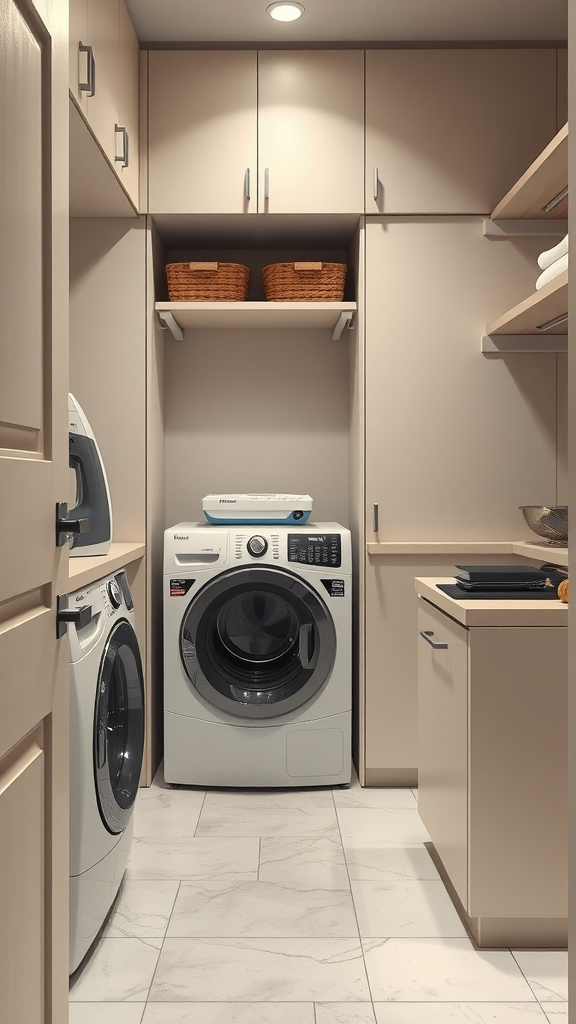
x,y
524,228
168,323
502,344
345,320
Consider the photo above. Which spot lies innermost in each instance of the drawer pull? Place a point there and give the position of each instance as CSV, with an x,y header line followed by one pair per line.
x,y
438,645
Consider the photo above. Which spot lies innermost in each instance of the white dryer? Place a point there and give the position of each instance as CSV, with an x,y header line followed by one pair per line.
x,y
106,748
257,655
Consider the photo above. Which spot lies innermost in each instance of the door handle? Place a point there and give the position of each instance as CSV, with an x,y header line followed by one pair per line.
x,y
247,184
375,185
65,526
438,645
375,517
304,652
124,157
79,616
89,86
266,183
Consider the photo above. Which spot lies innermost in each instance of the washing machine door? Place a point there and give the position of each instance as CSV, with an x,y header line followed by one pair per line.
x,y
257,643
118,744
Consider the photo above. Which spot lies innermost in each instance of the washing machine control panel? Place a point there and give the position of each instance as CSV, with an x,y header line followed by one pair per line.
x,y
323,549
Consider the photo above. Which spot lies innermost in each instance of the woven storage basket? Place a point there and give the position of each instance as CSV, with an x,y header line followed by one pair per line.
x,y
304,282
207,282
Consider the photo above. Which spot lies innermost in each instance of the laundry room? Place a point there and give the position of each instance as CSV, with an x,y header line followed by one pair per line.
x,y
278,771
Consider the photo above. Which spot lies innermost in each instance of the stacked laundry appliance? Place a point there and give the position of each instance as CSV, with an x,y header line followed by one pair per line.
x,y
257,646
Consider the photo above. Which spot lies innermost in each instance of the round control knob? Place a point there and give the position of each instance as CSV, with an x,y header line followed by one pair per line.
x,y
114,593
257,546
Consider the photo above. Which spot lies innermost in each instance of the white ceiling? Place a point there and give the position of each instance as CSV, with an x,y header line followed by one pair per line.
x,y
365,21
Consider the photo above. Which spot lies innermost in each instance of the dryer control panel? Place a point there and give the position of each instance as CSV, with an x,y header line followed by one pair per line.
x,y
323,549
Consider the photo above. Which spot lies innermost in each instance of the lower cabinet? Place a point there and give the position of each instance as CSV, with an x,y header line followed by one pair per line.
x,y
492,778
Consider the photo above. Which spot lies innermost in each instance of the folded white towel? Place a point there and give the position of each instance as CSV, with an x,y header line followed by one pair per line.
x,y
549,256
552,271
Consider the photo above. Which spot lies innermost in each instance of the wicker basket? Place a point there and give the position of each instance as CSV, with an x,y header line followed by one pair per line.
x,y
304,282
207,282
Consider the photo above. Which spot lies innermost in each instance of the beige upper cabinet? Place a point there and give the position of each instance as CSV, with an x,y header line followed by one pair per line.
x,y
310,131
104,81
202,131
450,131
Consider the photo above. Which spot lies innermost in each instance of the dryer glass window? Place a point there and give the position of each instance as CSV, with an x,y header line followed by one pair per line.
x,y
257,642
119,727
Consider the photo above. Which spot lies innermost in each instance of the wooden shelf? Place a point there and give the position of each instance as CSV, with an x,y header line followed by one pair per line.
x,y
84,570
542,182
544,305
254,315
524,548
491,612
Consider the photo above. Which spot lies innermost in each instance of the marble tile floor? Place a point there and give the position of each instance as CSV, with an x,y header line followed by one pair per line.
x,y
297,907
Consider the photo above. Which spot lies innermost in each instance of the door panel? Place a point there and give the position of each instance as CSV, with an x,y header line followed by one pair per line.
x,y
201,131
34,666
311,131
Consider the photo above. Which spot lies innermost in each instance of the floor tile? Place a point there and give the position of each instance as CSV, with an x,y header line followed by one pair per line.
x,y
459,1013
119,969
229,1013
356,796
272,799
254,821
194,858
393,826
279,970
304,863
106,1013
344,1013
557,1013
143,909
405,908
166,812
261,909
546,970
386,863
442,970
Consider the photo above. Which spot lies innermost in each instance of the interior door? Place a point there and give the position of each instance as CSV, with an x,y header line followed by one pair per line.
x,y
33,476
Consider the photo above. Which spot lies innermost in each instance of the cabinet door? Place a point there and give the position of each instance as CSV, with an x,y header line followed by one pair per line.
x,y
102,36
450,131
202,131
127,77
310,131
447,429
443,739
78,62
34,665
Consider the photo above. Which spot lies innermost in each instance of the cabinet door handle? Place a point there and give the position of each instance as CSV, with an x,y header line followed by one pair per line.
x,y
438,645
247,184
375,185
266,183
89,86
124,156
375,517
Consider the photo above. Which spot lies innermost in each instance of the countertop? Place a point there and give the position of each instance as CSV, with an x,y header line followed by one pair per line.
x,y
494,612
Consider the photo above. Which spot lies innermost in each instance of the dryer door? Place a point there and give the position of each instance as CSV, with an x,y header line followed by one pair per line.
x,y
257,643
118,727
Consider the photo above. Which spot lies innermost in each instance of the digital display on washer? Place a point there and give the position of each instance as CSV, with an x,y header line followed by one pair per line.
x,y
315,548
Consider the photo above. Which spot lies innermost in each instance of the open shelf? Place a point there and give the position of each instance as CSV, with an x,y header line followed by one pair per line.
x,y
544,180
254,315
83,570
533,313
537,550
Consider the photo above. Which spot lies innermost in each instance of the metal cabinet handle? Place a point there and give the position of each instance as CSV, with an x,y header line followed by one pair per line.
x,y
89,86
124,156
375,185
375,517
266,183
247,184
427,635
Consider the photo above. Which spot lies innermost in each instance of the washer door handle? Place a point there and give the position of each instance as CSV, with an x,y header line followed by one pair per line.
x,y
304,645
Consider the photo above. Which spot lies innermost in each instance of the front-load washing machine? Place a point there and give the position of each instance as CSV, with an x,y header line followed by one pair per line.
x,y
257,655
106,748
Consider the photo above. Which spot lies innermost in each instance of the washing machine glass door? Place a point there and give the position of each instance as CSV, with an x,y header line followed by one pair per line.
x,y
118,727
257,642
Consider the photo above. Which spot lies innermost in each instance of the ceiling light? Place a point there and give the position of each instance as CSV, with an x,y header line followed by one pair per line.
x,y
285,11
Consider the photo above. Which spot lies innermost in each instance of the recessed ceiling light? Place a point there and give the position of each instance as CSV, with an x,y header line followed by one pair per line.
x,y
285,11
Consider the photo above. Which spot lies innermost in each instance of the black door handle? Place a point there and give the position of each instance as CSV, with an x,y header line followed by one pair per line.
x,y
79,616
65,526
